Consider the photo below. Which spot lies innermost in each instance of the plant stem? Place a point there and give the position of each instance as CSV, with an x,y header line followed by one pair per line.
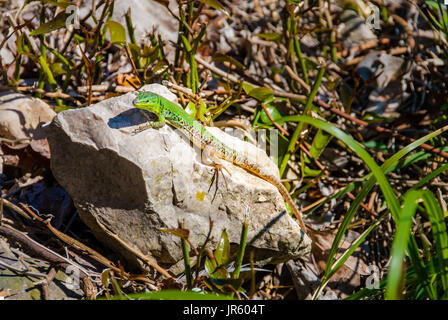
x,y
242,249
299,128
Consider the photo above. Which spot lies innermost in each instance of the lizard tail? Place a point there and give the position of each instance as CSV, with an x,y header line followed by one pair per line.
x,y
243,162
285,194
249,166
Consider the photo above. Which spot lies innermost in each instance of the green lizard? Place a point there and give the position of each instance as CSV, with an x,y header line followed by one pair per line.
x,y
172,113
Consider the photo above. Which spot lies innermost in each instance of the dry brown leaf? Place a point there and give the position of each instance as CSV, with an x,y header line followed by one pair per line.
x,y
348,277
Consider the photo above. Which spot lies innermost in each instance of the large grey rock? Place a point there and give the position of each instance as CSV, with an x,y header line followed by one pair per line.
x,y
135,184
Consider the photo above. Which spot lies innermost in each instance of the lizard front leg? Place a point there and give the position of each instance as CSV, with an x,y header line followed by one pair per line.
x,y
151,124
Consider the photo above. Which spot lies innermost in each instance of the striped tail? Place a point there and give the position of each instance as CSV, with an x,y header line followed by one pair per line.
x,y
226,153
251,167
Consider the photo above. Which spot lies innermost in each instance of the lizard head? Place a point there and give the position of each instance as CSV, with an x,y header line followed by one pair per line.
x,y
147,101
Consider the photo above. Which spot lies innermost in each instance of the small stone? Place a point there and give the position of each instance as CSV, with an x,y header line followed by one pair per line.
x,y
353,30
21,116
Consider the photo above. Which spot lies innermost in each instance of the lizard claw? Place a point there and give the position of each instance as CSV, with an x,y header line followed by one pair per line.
x,y
218,169
125,131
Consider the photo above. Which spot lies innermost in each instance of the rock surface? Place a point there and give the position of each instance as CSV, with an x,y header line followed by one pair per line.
x,y
135,184
353,30
21,116
146,17
387,93
21,121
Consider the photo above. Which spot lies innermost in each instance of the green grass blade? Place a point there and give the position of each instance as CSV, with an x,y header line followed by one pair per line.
x,y
343,258
429,177
388,166
400,244
440,236
296,134
241,250
419,266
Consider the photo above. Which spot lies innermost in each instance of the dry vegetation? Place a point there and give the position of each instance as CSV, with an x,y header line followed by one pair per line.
x,y
347,99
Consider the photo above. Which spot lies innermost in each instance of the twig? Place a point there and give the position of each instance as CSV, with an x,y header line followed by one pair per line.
x,y
143,257
394,51
283,131
295,77
25,32
75,243
55,94
367,208
314,204
1,210
234,79
128,53
95,87
406,28
363,47
38,249
15,208
187,91
44,283
220,72
231,123
124,89
25,272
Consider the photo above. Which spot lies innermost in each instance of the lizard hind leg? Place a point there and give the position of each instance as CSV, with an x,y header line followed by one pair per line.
x,y
209,158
